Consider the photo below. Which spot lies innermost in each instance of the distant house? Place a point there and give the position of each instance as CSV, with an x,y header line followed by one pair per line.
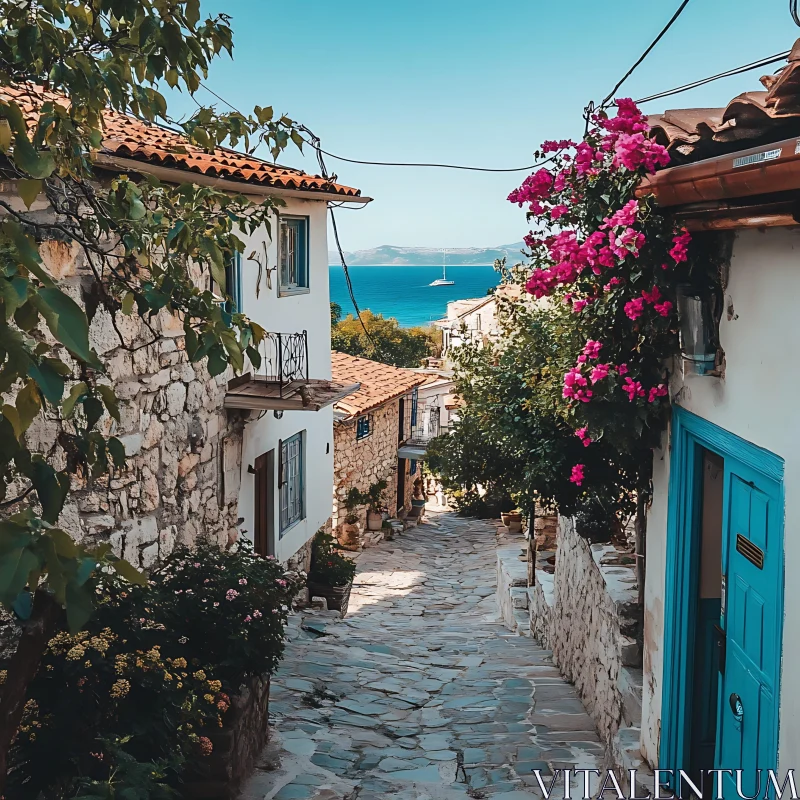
x,y
722,603
213,455
475,320
373,433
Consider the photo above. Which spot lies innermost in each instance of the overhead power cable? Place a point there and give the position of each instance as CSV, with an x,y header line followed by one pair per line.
x,y
646,53
324,172
764,62
794,12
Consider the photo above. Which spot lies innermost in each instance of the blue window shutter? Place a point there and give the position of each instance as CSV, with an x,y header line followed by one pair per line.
x,y
412,467
414,399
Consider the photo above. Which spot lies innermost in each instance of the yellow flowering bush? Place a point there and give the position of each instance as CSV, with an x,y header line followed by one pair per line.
x,y
98,687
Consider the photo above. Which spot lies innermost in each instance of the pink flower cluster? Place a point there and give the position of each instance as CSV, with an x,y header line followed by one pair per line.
x,y
536,186
576,383
577,475
680,244
635,308
552,146
575,386
583,435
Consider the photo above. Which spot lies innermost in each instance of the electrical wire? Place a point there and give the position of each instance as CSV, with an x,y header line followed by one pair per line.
x,y
645,54
324,173
794,12
735,71
315,143
430,165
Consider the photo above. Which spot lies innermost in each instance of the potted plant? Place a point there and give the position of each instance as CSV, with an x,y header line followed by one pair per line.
x,y
375,505
331,574
512,520
418,500
350,531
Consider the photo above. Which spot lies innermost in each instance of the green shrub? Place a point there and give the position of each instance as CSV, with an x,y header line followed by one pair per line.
x,y
152,672
328,566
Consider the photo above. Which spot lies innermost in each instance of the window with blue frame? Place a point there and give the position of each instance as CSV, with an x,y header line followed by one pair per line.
x,y
414,403
233,283
293,255
364,426
291,481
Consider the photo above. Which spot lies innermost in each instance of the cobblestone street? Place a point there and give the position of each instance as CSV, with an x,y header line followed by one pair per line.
x,y
420,692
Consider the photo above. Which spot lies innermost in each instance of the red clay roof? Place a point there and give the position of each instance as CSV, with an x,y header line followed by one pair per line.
x,y
750,119
129,137
380,383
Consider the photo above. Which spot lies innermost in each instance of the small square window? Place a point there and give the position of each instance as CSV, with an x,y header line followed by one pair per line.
x,y
293,255
363,427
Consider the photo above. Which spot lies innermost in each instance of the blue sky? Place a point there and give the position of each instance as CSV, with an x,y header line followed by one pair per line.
x,y
469,81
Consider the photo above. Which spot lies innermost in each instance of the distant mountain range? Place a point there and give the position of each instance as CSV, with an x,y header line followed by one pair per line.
x,y
391,255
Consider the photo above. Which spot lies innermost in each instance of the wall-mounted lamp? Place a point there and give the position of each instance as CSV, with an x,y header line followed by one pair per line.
x,y
697,338
277,414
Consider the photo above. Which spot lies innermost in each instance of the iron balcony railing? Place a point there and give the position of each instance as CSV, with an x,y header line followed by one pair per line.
x,y
427,428
284,358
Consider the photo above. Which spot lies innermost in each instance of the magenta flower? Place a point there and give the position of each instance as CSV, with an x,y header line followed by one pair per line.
x,y
551,146
242,581
583,435
599,372
680,244
577,475
653,296
231,594
579,305
613,282
556,212
535,187
633,389
657,391
248,618
634,308
592,348
622,369
664,308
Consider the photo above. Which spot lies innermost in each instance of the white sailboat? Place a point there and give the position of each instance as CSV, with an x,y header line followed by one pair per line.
x,y
443,280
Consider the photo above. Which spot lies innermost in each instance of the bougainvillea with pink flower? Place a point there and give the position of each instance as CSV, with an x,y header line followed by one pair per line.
x,y
615,260
566,405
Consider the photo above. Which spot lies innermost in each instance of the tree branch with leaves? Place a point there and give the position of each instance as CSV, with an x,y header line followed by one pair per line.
x,y
149,248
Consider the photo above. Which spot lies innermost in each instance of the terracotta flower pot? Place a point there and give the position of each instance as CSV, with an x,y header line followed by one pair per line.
x,y
512,520
374,520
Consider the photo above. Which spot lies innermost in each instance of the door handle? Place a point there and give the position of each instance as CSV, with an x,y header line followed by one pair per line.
x,y
736,706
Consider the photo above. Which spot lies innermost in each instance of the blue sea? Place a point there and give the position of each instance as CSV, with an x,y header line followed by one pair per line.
x,y
403,292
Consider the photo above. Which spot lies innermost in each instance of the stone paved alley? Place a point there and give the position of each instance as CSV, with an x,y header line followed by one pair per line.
x,y
420,692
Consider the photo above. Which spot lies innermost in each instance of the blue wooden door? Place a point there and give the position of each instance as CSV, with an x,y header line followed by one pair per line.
x,y
751,618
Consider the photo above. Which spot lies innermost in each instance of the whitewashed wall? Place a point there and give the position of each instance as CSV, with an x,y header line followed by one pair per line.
x,y
757,400
310,312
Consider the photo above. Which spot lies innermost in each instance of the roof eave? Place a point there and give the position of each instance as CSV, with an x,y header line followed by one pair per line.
x,y
172,175
761,170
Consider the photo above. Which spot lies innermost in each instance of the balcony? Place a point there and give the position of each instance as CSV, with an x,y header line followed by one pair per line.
x,y
282,382
426,427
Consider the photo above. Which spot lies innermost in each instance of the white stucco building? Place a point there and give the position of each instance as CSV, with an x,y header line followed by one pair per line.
x,y
215,456
722,605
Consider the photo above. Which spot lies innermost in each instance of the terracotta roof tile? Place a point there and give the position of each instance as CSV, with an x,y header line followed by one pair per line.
x,y
129,137
750,119
380,383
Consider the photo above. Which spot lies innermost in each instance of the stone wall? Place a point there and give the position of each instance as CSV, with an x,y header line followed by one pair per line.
x,y
361,462
184,468
587,614
236,746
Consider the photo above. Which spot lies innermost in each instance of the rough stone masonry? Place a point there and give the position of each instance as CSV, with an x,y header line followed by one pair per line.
x,y
183,470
